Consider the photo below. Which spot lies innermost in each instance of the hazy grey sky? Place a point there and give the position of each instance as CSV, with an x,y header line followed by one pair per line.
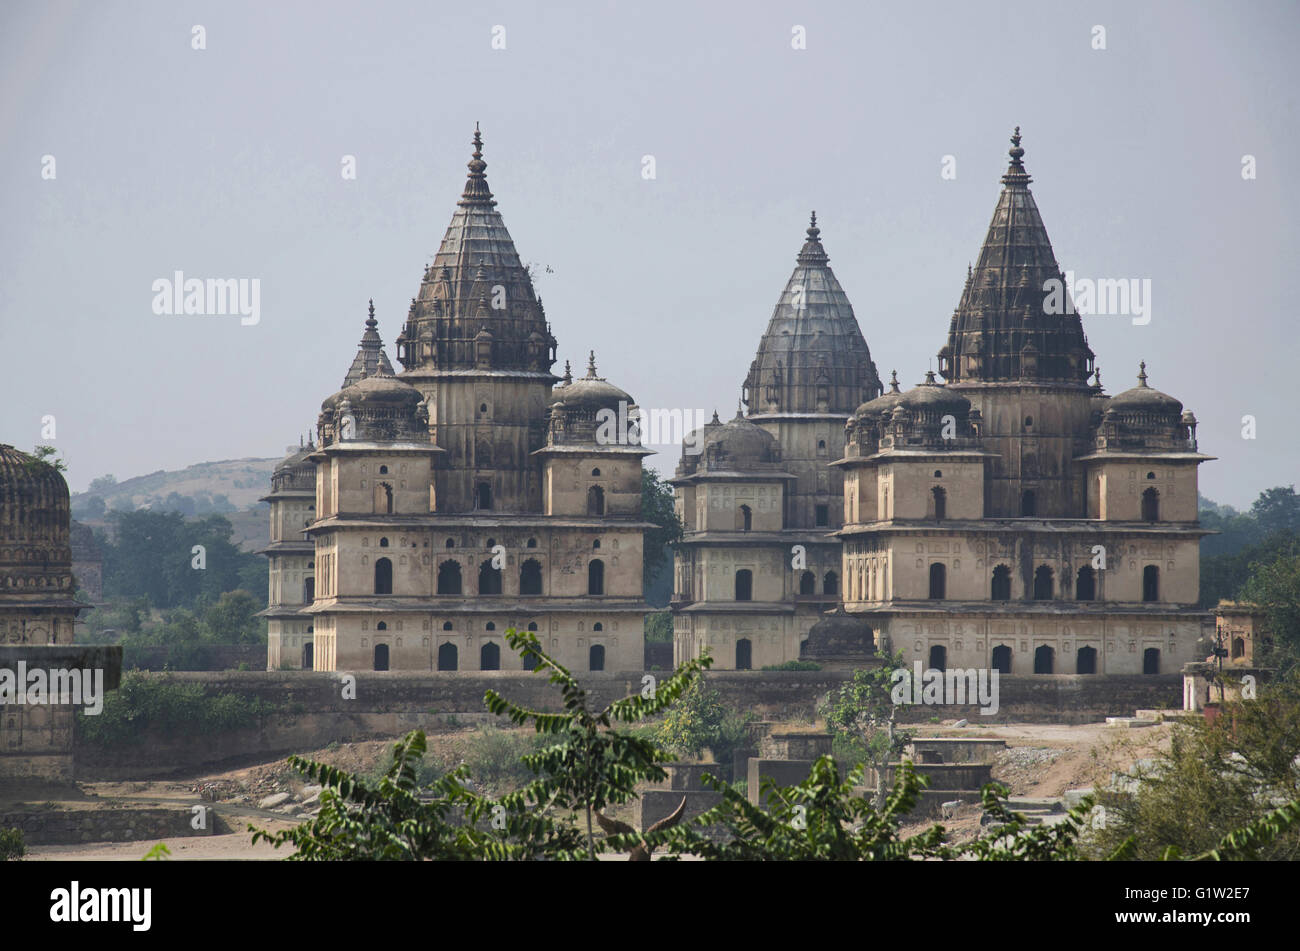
x,y
225,162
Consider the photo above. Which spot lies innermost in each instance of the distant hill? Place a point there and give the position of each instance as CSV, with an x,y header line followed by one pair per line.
x,y
231,488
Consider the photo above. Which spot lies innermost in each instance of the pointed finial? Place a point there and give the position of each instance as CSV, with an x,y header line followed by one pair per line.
x,y
715,417
813,230
591,365
1142,373
893,382
812,251
476,187
370,321
568,373
1016,174
929,378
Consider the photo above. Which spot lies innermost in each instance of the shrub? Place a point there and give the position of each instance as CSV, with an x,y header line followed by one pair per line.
x,y
11,844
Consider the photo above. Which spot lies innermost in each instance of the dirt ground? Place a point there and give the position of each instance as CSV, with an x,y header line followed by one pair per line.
x,y
1041,761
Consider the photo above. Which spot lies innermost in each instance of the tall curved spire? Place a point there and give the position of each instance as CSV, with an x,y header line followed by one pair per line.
x,y
476,283
370,359
813,358
1009,325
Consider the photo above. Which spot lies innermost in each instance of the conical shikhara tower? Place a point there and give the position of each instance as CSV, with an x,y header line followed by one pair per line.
x,y
466,495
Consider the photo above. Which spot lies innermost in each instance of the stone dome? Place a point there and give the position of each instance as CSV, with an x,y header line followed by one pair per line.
x,y
378,390
882,405
1143,399
590,392
742,442
35,533
933,397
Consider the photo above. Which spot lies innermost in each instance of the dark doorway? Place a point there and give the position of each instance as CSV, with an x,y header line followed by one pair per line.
x,y
596,577
309,591
1028,504
381,657
744,585
1044,660
938,581
483,499
1085,585
831,583
489,657
596,657
530,577
1150,583
308,656
489,578
1001,583
449,578
383,576
940,502
745,518
1085,662
447,657
596,501
744,654
822,515
1151,660
1151,505
1044,580
1002,659
807,583
938,657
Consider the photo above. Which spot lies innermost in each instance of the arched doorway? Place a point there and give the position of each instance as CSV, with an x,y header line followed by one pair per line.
x,y
447,658
596,501
1151,505
938,657
489,656
744,585
940,498
449,578
596,657
383,576
1085,661
1002,659
381,657
1085,585
489,578
1150,583
1151,660
1044,660
596,577
1044,579
308,656
1028,504
938,581
530,577
807,583
1001,583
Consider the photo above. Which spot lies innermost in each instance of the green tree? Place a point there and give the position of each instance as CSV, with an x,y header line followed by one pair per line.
x,y
657,507
1278,509
861,715
1275,586
700,721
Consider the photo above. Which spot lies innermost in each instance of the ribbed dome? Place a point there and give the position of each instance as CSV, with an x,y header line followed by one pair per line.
x,y
35,519
812,358
1142,398
838,636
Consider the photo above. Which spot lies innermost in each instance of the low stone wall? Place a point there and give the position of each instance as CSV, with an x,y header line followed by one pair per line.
x,y
44,826
389,704
209,657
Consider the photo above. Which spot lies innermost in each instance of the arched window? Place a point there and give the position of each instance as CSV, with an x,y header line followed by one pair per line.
x,y
381,657
491,543
449,578
1044,658
1001,583
308,656
532,543
938,581
807,583
383,498
1028,504
1085,584
744,518
383,470
831,583
595,544
1150,583
1238,648
596,577
447,657
1151,660
595,472
1151,505
489,578
938,657
490,626
383,576
451,543
596,657
483,496
489,657
744,585
940,503
383,543
309,591
744,654
381,626
1002,659
1085,662
938,473
1044,583
532,626
1151,475
446,625
596,501
530,577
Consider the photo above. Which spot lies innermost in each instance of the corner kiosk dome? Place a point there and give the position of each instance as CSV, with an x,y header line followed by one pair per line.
x,y
882,405
1144,399
591,392
934,397
743,442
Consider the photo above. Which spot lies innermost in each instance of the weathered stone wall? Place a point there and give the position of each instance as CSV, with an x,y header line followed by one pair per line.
x,y
47,826
391,704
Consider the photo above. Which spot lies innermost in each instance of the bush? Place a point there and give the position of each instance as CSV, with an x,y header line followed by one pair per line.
x,y
795,665
495,757
11,844
143,703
